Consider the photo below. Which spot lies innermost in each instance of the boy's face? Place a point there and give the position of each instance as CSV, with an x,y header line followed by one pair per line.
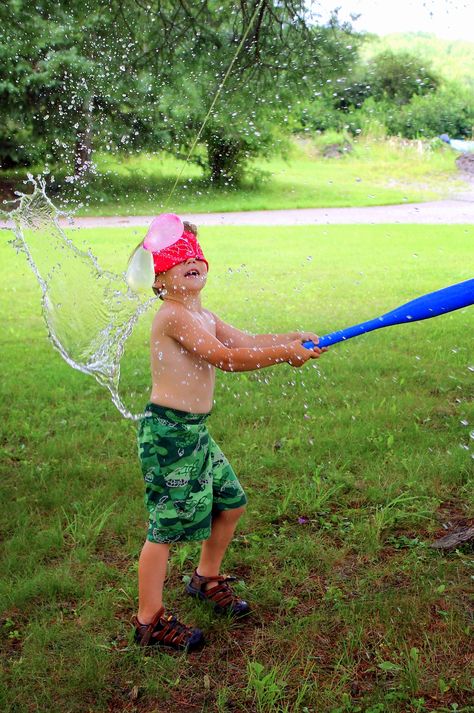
x,y
187,277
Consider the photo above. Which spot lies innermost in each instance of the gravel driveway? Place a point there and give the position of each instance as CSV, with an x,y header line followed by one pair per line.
x,y
459,210
451,211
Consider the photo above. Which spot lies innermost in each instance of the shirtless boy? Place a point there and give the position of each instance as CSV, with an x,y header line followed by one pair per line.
x,y
192,492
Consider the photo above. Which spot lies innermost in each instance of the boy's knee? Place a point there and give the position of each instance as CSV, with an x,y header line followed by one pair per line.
x,y
234,513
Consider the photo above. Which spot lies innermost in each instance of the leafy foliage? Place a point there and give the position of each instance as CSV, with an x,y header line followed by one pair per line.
x,y
451,59
126,76
398,76
450,110
397,92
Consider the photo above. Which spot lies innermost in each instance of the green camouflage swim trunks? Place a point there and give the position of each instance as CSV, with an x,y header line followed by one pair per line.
x,y
187,476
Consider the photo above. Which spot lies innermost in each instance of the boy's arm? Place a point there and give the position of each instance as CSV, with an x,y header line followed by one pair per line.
x,y
233,337
189,332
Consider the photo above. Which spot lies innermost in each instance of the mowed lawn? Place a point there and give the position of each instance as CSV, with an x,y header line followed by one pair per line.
x,y
352,464
375,172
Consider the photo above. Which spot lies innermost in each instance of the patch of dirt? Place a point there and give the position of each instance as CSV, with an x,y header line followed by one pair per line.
x,y
452,516
337,150
111,552
465,163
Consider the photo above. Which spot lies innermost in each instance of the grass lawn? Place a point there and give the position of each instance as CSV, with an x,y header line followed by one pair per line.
x,y
375,173
352,465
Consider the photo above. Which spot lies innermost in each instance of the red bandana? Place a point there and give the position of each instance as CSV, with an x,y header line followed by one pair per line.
x,y
183,249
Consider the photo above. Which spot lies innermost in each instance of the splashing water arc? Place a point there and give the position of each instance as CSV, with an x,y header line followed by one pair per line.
x,y
89,312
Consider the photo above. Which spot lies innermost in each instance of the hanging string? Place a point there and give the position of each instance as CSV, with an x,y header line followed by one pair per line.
x,y
216,97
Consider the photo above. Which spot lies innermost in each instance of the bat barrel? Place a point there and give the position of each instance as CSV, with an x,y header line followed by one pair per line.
x,y
431,305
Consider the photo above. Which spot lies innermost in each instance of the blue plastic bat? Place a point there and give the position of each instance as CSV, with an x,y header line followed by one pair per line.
x,y
430,305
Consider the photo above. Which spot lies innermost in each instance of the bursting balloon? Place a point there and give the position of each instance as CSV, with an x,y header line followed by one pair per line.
x,y
164,230
140,273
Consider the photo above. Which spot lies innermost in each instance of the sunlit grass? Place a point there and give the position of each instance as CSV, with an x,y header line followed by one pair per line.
x,y
351,468
375,172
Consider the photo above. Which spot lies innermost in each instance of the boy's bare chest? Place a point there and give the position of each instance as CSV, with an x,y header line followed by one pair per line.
x,y
207,322
168,351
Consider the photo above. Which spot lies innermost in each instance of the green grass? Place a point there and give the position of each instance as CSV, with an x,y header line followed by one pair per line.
x,y
377,172
351,468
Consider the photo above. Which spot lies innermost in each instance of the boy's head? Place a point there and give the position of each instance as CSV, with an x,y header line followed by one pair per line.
x,y
176,265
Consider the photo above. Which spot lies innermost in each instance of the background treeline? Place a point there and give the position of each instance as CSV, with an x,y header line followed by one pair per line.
x,y
122,76
408,85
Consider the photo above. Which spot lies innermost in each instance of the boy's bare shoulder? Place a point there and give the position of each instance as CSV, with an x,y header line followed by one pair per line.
x,y
171,314
166,315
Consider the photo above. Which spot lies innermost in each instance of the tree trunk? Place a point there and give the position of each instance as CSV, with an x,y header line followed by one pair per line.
x,y
83,148
224,159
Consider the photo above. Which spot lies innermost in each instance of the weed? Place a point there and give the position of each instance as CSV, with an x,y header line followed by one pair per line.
x,y
402,509
85,524
411,669
267,689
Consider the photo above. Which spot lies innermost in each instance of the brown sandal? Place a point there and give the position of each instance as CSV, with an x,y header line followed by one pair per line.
x,y
165,631
221,595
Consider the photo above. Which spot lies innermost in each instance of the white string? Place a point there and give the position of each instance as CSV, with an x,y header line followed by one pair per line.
x,y
216,97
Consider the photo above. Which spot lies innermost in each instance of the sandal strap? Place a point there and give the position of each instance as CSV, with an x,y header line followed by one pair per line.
x,y
221,594
163,627
219,578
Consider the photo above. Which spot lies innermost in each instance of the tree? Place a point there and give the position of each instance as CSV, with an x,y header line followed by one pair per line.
x,y
126,75
284,58
398,76
393,77
65,78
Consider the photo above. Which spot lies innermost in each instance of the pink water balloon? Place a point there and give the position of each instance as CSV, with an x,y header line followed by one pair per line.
x,y
164,230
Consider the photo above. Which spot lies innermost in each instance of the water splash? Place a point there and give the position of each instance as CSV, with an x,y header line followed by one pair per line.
x,y
89,312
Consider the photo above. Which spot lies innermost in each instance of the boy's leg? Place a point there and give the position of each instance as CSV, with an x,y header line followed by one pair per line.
x,y
151,576
213,549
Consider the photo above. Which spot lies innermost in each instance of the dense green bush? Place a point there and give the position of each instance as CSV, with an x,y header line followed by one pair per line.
x,y
394,94
320,115
393,77
387,95
399,76
449,110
